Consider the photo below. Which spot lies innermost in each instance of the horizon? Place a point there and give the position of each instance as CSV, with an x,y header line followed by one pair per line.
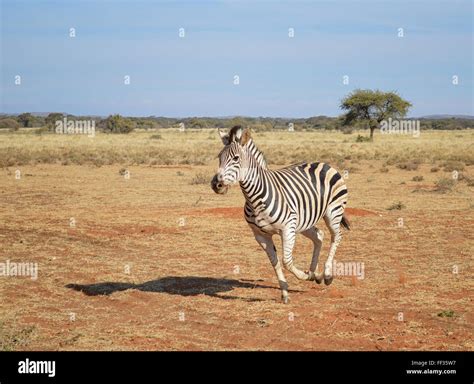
x,y
279,76
65,114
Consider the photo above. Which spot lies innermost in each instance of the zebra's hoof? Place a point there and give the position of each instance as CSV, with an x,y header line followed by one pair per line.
x,y
328,280
318,279
285,299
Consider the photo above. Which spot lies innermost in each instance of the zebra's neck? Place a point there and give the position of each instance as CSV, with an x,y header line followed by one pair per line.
x,y
255,174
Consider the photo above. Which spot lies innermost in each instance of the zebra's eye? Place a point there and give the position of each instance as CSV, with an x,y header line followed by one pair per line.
x,y
236,158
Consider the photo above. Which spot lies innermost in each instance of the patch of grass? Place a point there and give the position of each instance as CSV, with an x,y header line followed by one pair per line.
x,y
408,165
123,171
384,169
465,178
179,173
363,139
396,206
448,313
201,178
444,185
417,178
452,165
156,136
13,340
42,131
263,323
434,169
72,340
98,162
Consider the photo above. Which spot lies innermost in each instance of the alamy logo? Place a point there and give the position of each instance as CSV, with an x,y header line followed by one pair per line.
x,y
35,367
400,127
11,268
75,127
353,268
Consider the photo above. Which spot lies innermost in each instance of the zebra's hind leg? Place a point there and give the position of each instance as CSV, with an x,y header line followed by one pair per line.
x,y
267,244
333,221
288,239
316,236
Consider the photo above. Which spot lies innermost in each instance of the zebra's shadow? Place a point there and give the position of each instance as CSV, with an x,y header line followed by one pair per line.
x,y
177,285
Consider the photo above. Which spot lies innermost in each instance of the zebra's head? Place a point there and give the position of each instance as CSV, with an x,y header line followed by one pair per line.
x,y
231,159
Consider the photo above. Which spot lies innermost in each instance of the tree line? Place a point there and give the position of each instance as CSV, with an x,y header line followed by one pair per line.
x,y
363,109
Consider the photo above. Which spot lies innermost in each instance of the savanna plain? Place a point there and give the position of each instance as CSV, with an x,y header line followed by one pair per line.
x,y
136,252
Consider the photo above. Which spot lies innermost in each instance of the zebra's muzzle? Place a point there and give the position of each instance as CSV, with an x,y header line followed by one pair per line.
x,y
218,186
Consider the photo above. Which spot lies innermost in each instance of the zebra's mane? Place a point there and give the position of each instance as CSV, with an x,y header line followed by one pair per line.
x,y
257,154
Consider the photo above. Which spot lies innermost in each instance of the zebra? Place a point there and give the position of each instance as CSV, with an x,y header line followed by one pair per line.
x,y
284,202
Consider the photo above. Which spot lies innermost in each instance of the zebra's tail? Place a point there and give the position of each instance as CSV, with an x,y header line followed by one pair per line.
x,y
345,222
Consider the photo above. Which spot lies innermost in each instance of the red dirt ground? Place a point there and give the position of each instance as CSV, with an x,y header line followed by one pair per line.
x,y
161,264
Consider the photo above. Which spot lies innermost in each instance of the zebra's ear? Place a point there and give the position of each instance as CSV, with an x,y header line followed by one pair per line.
x,y
224,137
238,133
245,137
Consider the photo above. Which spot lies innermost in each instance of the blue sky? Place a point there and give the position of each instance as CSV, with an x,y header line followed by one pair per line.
x,y
194,76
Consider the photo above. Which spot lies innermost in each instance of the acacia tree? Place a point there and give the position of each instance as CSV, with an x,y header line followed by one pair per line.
x,y
372,107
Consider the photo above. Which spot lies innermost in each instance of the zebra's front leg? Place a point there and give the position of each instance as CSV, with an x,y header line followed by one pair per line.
x,y
316,236
288,238
267,244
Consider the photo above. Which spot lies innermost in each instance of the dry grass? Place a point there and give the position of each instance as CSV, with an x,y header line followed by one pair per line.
x,y
155,262
15,338
445,185
408,165
201,178
450,166
396,206
200,147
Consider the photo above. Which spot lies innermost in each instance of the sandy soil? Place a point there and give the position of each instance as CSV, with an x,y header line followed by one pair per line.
x,y
156,263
